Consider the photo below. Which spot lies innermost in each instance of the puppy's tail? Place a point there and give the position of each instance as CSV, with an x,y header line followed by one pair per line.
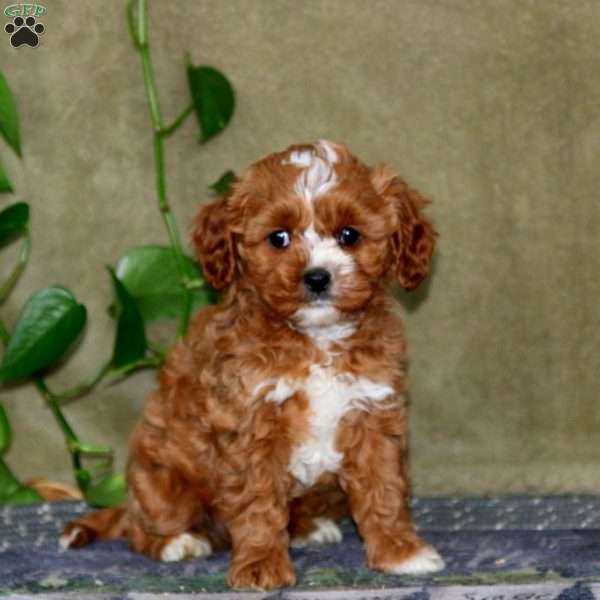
x,y
105,524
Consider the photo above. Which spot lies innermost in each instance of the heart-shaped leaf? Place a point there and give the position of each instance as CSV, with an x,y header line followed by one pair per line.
x,y
5,185
213,98
9,119
13,220
222,185
150,275
130,342
5,432
49,323
108,492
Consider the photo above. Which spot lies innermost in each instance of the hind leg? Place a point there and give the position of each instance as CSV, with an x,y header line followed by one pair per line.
x,y
167,497
313,516
163,518
164,513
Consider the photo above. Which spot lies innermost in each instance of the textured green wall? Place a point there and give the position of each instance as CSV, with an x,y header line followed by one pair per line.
x,y
489,107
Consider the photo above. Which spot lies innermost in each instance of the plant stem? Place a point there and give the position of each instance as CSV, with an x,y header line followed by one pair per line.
x,y
131,24
85,387
91,450
9,284
139,35
50,399
143,363
178,122
71,438
69,434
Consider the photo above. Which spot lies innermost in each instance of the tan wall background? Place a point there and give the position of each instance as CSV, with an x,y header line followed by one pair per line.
x,y
490,107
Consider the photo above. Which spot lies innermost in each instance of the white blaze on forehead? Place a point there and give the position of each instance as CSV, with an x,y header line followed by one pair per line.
x,y
300,158
321,321
317,177
318,173
315,180
328,150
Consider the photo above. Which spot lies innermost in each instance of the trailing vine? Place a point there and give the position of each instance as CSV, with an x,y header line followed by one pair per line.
x,y
149,282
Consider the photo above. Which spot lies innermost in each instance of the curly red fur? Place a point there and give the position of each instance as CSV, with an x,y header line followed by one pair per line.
x,y
213,243
218,451
414,240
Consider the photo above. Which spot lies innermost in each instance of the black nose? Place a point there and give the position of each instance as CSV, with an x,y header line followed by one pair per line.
x,y
317,280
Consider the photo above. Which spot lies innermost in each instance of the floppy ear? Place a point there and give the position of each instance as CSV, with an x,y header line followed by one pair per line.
x,y
413,240
213,240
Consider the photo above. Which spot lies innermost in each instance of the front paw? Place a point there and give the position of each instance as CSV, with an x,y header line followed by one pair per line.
x,y
423,561
275,571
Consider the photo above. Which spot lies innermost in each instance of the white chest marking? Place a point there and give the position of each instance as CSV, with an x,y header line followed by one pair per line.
x,y
331,396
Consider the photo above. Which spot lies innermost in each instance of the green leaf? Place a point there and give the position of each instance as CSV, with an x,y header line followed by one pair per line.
x,y
5,432
130,342
9,120
9,484
5,185
83,478
14,492
108,492
49,323
213,99
150,275
24,495
222,185
13,220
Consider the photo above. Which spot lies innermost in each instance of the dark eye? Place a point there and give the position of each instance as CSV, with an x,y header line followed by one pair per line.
x,y
348,237
279,238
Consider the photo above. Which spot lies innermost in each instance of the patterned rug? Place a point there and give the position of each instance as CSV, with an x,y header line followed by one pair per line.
x,y
525,548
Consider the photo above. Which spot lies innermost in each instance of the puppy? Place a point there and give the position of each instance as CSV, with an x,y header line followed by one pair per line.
x,y
283,409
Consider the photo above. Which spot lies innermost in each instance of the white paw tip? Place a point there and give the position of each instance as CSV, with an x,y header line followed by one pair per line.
x,y
185,545
325,532
425,561
65,540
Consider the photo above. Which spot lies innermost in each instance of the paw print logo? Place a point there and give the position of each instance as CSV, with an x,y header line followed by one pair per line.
x,y
24,31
